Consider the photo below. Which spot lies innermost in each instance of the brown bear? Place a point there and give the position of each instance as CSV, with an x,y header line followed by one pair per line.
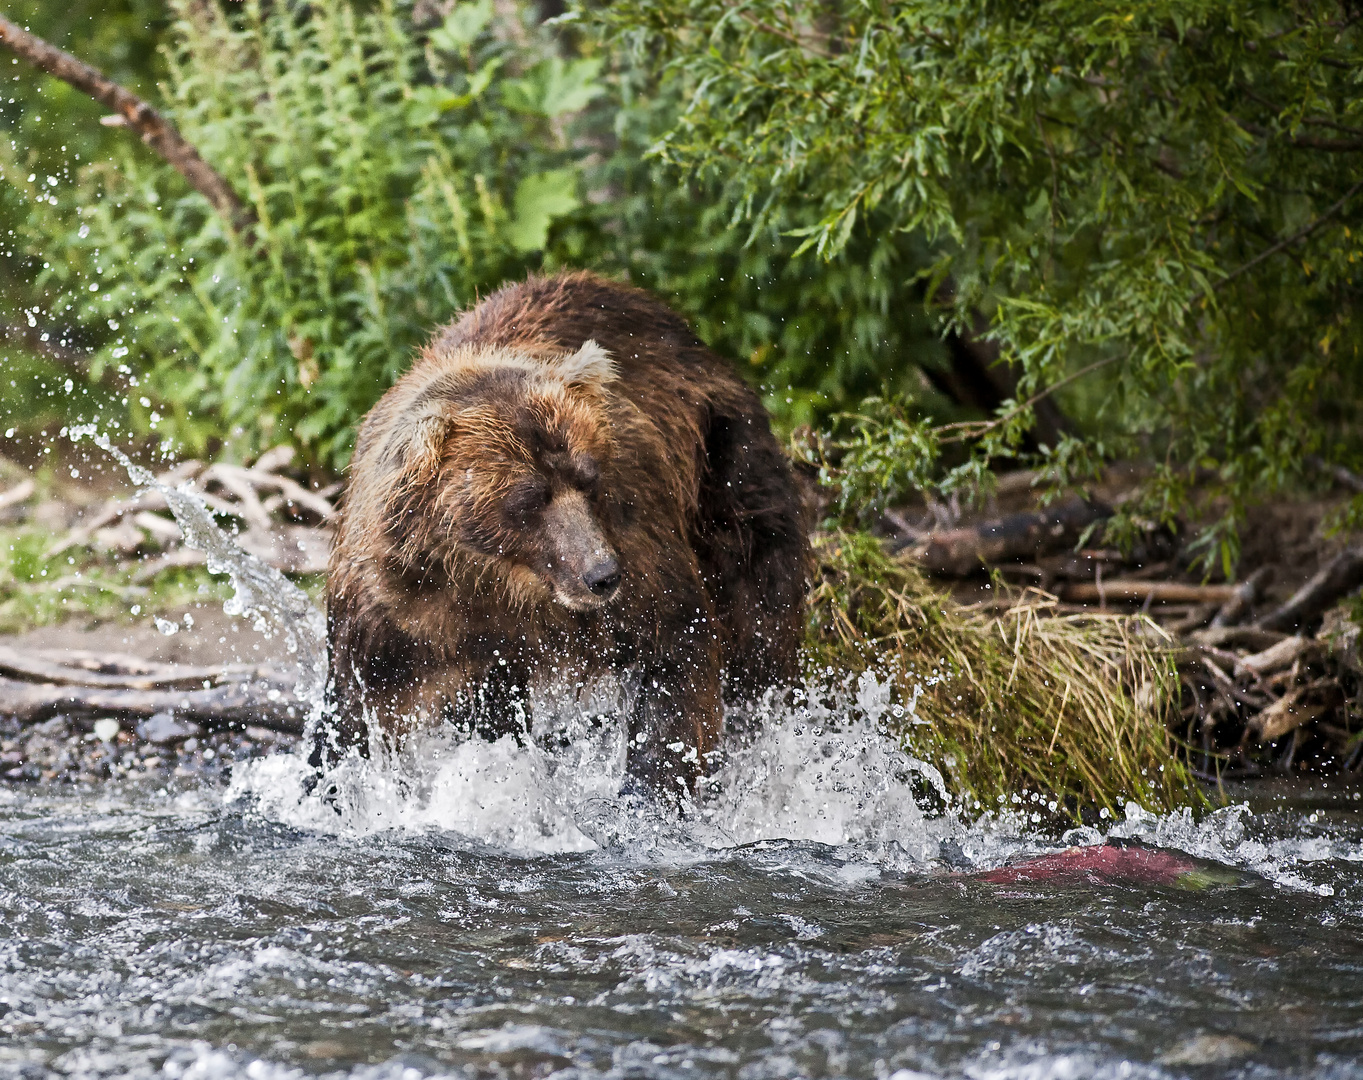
x,y
566,485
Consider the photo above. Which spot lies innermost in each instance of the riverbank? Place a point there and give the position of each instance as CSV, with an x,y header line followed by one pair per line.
x,y
1029,665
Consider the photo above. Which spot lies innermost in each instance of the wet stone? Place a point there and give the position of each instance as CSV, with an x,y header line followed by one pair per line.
x,y
163,728
84,751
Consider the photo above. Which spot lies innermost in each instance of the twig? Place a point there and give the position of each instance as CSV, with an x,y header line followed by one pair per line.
x,y
156,131
1130,591
969,428
1300,234
17,494
786,35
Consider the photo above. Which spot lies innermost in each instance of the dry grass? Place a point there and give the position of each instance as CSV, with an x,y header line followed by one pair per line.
x,y
1070,708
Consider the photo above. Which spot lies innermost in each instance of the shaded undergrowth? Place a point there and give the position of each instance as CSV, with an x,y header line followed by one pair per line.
x,y
1069,708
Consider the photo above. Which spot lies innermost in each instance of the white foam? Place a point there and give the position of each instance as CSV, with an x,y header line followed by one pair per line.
x,y
808,774
1222,836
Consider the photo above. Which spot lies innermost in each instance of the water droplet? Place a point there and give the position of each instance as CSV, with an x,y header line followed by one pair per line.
x,y
166,626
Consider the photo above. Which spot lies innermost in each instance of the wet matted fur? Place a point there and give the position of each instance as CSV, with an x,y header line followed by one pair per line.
x,y
567,483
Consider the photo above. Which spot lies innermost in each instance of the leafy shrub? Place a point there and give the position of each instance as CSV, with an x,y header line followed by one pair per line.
x,y
1157,208
397,172
393,176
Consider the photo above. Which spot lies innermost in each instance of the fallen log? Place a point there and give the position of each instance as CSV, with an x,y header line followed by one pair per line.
x,y
1343,574
962,552
264,704
37,668
1130,591
37,686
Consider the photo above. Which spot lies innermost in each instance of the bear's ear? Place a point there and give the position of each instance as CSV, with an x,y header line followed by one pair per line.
x,y
591,366
419,456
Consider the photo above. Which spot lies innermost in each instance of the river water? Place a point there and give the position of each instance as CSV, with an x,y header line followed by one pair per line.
x,y
496,917
496,910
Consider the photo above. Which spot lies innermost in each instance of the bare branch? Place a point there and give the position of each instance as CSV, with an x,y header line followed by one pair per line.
x,y
156,131
1286,242
973,429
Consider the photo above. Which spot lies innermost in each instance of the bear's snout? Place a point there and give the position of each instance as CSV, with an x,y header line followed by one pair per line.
x,y
603,578
582,569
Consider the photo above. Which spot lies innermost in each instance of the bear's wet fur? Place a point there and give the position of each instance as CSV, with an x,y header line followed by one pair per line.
x,y
567,484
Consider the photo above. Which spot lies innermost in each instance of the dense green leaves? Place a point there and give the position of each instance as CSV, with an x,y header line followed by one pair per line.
x,y
1155,209
399,169
1164,194
390,183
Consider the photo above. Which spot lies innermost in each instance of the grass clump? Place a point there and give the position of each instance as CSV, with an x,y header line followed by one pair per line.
x,y
1070,708
41,587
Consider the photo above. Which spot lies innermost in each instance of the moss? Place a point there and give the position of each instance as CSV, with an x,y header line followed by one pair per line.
x,y
1071,708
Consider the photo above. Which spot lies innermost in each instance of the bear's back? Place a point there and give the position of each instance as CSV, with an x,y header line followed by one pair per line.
x,y
659,360
567,309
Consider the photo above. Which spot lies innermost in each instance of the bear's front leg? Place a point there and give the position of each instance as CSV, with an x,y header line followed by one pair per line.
x,y
674,718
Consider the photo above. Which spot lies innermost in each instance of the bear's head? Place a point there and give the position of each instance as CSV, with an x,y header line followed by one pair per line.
x,y
494,462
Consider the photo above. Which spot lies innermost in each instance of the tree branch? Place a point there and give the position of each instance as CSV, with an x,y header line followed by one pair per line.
x,y
975,428
1286,242
156,131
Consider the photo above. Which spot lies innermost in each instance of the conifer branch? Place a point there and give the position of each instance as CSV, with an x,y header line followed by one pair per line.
x,y
156,131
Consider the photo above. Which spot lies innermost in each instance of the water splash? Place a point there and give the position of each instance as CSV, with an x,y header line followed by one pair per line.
x,y
260,593
820,769
808,772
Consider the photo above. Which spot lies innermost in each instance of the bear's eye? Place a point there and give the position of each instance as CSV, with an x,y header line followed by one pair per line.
x,y
529,497
586,474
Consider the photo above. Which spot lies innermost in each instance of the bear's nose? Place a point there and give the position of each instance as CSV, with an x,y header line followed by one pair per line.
x,y
603,578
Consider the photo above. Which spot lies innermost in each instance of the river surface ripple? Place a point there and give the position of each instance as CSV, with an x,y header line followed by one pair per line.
x,y
181,932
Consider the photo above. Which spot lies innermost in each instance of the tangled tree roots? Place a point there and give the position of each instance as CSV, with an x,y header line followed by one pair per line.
x,y
1070,708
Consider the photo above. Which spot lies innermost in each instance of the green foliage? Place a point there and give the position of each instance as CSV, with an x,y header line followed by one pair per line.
x,y
51,128
819,337
390,193
1161,200
394,176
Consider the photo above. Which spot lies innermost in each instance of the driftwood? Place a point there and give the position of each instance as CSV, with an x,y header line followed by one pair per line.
x,y
1237,637
1290,712
155,130
1343,574
961,552
1119,590
232,704
123,673
36,686
1237,609
1281,656
132,526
